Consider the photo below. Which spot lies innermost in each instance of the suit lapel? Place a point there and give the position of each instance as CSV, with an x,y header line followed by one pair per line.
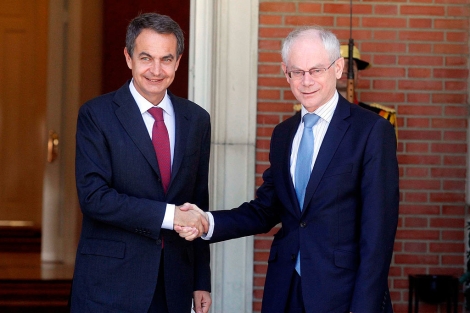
x,y
286,175
335,133
182,126
131,119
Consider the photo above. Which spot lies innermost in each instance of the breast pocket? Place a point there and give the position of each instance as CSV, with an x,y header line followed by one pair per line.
x,y
191,157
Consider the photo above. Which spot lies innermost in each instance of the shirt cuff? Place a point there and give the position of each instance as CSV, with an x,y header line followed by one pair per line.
x,y
169,217
208,236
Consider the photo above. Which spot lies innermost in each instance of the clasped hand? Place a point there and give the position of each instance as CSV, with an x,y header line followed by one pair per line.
x,y
190,221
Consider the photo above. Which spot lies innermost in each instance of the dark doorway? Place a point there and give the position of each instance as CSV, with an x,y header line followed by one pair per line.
x,y
116,17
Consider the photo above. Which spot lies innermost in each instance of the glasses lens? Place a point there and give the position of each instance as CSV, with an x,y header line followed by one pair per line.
x,y
317,72
296,74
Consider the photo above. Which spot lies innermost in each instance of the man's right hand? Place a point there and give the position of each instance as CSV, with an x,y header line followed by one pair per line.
x,y
190,220
189,232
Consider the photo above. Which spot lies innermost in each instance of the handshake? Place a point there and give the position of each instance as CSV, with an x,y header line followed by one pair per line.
x,y
190,222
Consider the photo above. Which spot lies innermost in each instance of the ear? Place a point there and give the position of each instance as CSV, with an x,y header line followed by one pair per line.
x,y
284,70
128,58
339,67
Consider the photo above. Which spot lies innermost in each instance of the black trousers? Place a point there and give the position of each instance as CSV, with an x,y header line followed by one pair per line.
x,y
295,302
159,304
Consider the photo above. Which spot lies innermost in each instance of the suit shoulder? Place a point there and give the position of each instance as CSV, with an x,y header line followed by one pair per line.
x,y
107,97
381,107
363,119
286,126
376,107
383,111
293,120
98,103
364,113
189,105
111,100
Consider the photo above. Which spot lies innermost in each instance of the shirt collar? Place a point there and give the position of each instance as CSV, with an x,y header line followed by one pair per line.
x,y
144,105
326,110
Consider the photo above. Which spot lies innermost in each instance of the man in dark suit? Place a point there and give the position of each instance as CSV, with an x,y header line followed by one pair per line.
x,y
129,259
332,183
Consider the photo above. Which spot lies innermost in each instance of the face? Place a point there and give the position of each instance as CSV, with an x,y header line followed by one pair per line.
x,y
342,83
307,53
153,64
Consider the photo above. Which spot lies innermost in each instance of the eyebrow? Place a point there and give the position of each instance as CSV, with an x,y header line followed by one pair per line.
x,y
145,54
168,56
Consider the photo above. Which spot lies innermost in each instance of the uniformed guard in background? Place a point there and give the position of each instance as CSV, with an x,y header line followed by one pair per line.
x,y
342,84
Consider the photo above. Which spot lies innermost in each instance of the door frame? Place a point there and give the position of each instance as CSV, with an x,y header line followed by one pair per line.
x,y
231,99
74,76
51,241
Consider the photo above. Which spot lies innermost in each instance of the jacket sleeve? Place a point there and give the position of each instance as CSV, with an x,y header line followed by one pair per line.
x,y
254,217
379,218
98,154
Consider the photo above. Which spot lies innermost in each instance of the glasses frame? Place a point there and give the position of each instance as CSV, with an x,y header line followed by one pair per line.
x,y
310,71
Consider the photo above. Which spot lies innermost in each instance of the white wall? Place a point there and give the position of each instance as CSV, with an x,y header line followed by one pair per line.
x,y
223,80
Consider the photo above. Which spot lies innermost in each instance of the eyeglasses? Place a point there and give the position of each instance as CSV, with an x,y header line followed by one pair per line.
x,y
314,72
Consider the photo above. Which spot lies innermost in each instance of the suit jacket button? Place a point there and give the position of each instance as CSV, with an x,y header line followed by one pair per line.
x,y
293,256
159,242
303,224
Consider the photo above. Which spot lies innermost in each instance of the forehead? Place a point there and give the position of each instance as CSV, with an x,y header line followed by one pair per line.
x,y
151,42
307,51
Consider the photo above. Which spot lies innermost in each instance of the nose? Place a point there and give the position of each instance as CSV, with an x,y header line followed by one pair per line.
x,y
156,68
307,79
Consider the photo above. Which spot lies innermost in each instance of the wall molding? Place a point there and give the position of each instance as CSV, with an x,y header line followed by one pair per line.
x,y
223,80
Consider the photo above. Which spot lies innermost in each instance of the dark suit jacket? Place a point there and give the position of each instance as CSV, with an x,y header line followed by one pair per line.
x,y
123,205
347,228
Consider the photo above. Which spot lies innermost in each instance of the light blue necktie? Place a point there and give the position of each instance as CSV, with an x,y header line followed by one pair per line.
x,y
304,164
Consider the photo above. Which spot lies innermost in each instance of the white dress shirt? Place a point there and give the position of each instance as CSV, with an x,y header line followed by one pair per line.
x,y
319,130
169,119
325,112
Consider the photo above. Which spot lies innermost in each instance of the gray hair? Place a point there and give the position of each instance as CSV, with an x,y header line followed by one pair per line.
x,y
159,23
330,42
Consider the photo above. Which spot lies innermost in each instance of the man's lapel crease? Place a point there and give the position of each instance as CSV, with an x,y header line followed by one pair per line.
x,y
130,118
287,179
182,133
333,137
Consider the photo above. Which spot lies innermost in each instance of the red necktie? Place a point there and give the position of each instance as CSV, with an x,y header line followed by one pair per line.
x,y
161,143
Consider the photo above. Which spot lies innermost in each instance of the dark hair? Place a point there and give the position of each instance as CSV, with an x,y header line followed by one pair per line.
x,y
159,23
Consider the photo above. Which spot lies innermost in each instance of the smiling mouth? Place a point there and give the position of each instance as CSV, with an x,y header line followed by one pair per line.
x,y
154,80
310,93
